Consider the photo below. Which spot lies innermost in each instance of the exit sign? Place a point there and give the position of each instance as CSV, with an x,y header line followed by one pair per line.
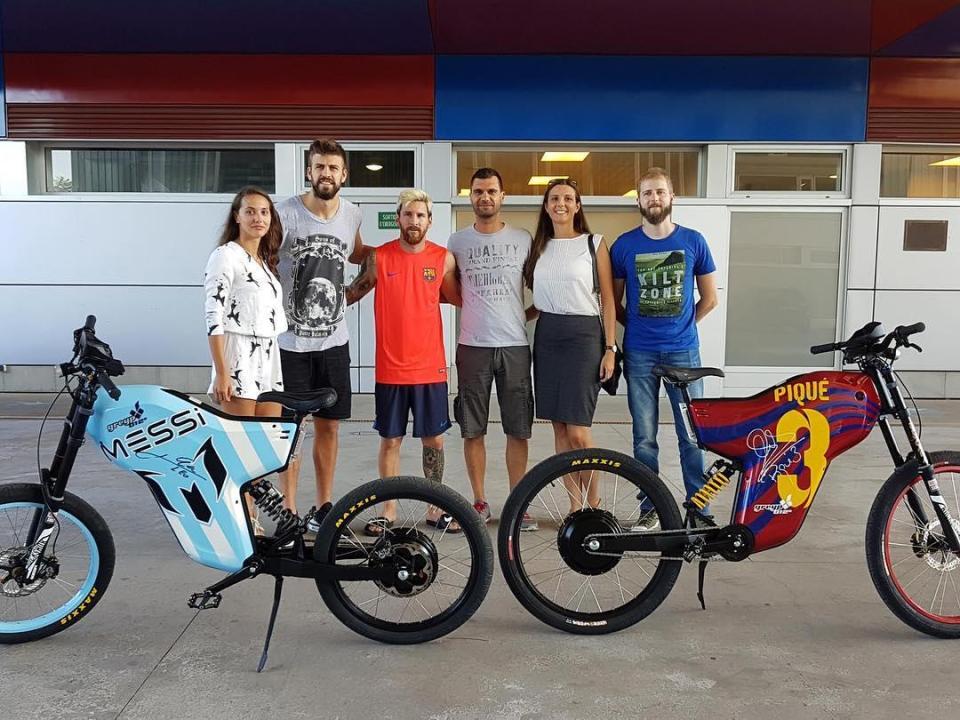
x,y
387,221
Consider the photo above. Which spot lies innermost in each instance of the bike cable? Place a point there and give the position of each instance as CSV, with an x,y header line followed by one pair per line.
x,y
916,410
66,388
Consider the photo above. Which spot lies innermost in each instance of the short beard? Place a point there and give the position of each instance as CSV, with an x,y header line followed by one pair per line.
x,y
485,213
658,215
325,194
405,234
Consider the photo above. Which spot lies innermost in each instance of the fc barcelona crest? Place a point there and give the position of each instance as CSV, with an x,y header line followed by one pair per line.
x,y
429,274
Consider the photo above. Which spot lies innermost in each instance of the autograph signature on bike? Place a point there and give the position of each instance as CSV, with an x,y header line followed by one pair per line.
x,y
775,459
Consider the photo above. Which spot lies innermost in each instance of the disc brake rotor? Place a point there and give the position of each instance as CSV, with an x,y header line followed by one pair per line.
x,y
13,572
930,544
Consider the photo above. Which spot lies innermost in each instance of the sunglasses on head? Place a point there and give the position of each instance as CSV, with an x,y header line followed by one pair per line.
x,y
562,181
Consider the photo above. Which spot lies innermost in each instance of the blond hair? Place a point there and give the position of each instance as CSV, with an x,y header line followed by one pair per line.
x,y
414,195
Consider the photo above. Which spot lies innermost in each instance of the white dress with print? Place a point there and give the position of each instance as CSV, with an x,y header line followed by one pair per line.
x,y
243,303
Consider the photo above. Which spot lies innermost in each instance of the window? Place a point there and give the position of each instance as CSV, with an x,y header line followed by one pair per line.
x,y
157,170
925,235
920,175
371,168
597,171
782,288
781,172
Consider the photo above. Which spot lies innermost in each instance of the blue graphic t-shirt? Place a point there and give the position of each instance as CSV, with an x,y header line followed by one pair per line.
x,y
660,280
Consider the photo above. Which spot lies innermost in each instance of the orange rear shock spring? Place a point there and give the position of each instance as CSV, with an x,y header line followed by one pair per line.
x,y
715,480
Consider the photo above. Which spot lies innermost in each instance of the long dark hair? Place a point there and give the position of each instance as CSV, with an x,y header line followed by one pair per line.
x,y
269,250
545,228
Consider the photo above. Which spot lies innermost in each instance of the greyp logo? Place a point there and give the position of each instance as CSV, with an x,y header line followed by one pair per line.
x,y
132,420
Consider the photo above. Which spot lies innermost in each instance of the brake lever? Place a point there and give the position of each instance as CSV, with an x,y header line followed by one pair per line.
x,y
915,347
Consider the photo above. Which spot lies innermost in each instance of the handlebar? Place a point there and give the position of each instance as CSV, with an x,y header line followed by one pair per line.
x,y
871,340
93,357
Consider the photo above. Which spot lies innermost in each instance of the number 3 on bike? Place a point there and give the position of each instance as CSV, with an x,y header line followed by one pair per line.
x,y
611,538
409,583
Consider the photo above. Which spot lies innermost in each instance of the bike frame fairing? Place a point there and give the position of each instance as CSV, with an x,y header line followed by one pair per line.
x,y
783,440
195,459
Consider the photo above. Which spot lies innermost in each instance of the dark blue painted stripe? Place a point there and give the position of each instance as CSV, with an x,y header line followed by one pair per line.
x,y
625,98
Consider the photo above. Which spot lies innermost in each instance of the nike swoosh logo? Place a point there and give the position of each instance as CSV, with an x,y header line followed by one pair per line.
x,y
392,274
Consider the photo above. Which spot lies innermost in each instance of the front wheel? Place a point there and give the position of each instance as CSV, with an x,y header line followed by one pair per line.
x,y
541,542
912,567
74,569
434,538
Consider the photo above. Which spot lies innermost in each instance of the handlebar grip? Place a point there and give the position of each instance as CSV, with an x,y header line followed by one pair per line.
x,y
905,330
107,384
91,323
828,347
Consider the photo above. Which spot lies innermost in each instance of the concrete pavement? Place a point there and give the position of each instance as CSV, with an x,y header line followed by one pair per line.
x,y
797,632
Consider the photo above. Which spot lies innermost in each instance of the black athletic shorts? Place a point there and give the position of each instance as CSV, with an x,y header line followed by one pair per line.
x,y
319,369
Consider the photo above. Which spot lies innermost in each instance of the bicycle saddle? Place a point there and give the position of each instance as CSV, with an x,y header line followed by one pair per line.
x,y
684,375
304,401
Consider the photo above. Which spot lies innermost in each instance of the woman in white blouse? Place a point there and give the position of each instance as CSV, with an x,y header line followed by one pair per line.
x,y
574,345
244,308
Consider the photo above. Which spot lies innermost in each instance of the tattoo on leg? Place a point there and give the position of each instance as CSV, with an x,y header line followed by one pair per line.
x,y
433,464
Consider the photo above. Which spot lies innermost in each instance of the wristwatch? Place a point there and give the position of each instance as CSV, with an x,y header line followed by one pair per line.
x,y
612,348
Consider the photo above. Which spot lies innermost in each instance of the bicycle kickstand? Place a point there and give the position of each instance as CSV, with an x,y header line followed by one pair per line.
x,y
277,591
701,572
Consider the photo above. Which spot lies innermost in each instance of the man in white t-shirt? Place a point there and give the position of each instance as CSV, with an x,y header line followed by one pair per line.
x,y
493,344
321,232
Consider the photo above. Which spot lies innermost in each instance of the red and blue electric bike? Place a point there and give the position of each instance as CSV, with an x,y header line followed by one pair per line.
x,y
594,565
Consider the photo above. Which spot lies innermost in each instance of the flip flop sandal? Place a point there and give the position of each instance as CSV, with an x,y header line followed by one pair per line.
x,y
377,526
447,523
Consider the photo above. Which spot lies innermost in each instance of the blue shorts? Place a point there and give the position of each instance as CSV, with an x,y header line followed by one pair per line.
x,y
431,415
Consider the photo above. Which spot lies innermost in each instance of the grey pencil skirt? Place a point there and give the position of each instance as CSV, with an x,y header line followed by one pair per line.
x,y
567,351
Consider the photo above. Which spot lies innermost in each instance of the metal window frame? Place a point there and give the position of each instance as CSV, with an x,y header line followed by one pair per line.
x,y
844,150
365,194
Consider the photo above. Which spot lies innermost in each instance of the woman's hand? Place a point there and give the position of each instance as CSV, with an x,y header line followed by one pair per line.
x,y
222,388
606,365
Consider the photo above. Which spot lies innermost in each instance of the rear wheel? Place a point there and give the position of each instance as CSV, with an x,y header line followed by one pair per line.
x,y
542,556
74,569
442,575
912,567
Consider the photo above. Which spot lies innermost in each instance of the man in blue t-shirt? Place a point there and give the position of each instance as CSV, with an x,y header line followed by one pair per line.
x,y
658,263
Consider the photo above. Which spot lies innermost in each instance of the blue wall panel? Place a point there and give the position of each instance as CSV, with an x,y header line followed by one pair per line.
x,y
624,98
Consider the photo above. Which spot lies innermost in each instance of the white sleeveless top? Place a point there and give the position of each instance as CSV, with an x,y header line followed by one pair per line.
x,y
563,277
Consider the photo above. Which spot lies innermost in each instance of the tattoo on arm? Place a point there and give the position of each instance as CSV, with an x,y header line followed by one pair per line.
x,y
433,464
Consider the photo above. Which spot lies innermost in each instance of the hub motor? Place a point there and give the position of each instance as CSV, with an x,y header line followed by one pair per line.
x,y
575,528
415,558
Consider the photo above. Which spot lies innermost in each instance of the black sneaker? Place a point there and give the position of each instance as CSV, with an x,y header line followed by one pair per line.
x,y
313,524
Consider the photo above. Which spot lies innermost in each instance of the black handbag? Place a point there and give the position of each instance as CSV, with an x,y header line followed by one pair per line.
x,y
611,384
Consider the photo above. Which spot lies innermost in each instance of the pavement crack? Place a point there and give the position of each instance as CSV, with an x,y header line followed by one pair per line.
x,y
154,668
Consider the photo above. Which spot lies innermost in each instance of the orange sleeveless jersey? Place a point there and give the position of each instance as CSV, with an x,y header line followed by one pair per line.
x,y
407,310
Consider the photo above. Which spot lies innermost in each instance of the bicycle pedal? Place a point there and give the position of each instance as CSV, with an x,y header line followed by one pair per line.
x,y
205,601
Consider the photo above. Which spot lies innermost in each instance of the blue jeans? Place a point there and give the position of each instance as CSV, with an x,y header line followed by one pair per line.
x,y
643,390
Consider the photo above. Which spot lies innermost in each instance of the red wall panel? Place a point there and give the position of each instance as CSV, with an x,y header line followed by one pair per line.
x,y
349,80
915,83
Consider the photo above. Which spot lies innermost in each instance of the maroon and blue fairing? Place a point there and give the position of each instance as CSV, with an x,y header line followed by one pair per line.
x,y
784,438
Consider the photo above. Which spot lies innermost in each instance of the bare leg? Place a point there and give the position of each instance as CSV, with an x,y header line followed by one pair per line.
x,y
250,408
388,465
580,437
433,462
475,458
517,449
325,446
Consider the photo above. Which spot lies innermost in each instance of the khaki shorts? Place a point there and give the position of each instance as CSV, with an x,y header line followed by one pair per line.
x,y
477,369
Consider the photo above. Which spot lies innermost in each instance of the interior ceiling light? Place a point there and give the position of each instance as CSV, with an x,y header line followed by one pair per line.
x,y
949,162
545,179
464,192
562,156
374,167
832,177
630,193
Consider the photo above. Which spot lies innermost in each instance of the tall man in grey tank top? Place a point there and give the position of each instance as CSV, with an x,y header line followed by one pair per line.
x,y
493,344
321,231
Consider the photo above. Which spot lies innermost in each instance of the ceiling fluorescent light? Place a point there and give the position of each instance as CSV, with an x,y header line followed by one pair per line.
x,y
374,167
545,179
562,156
949,162
630,193
464,192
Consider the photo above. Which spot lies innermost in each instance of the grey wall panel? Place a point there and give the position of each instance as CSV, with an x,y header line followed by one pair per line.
x,y
108,243
897,269
939,311
144,325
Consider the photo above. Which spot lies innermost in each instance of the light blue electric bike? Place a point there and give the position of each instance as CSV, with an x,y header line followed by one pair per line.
x,y
396,581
